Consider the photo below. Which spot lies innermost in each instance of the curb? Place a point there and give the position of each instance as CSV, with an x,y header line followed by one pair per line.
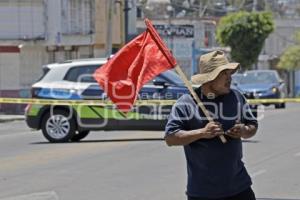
x,y
10,119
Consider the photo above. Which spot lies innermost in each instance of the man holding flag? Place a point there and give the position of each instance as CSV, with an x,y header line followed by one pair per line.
x,y
215,170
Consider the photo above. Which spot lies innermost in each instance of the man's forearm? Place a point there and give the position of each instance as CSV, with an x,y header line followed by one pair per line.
x,y
184,137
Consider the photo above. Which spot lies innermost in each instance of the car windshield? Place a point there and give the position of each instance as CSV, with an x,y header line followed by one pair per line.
x,y
236,78
259,77
172,77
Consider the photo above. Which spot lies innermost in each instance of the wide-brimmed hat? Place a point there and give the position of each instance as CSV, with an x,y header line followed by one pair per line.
x,y
210,66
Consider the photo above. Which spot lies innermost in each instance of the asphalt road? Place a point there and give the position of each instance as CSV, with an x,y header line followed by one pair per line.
x,y
138,165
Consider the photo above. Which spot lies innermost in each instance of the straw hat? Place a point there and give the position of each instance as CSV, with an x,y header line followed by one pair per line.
x,y
210,66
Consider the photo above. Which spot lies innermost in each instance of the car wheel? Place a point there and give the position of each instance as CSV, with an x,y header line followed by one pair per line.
x,y
79,136
280,105
58,127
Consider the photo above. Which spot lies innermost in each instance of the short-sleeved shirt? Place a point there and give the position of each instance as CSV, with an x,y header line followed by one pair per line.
x,y
214,169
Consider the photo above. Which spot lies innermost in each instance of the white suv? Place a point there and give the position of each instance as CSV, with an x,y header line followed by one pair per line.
x,y
74,80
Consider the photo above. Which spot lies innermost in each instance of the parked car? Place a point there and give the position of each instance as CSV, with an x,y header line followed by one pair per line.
x,y
263,84
73,80
235,84
236,78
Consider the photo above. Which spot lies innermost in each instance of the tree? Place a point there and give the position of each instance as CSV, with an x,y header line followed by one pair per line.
x,y
245,33
290,59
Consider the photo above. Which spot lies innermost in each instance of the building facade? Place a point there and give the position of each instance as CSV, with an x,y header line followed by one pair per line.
x,y
276,44
37,32
186,38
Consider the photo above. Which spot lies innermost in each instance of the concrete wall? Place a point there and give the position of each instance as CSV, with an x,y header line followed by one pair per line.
x,y
9,78
18,70
55,24
22,19
276,44
32,58
282,37
9,71
101,26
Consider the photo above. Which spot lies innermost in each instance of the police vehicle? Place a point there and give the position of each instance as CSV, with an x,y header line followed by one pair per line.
x,y
73,80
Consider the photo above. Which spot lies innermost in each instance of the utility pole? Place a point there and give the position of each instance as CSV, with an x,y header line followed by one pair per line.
x,y
254,6
126,10
130,14
109,26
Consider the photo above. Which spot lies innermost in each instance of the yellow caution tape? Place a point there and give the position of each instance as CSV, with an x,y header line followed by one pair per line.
x,y
270,101
139,102
78,102
50,101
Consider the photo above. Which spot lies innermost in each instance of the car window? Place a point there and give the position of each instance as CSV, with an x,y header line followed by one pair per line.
x,y
173,77
259,77
168,76
158,79
237,78
81,74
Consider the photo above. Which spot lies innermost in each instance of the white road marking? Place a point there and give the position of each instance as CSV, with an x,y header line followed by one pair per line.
x,y
297,154
50,195
255,174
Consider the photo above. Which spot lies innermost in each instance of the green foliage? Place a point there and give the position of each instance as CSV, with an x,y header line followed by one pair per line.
x,y
297,37
245,33
290,60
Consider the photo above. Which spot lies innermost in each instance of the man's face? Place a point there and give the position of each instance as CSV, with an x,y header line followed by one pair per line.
x,y
221,85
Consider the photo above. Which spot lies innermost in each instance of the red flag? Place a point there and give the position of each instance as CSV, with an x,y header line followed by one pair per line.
x,y
134,65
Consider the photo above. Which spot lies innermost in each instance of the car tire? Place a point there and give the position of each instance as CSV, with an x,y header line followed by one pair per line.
x,y
79,136
280,105
58,127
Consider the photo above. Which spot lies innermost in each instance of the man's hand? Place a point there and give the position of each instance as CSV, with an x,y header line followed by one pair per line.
x,y
238,130
182,137
212,129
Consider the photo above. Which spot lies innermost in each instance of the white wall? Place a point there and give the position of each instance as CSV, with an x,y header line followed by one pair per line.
x,y
31,60
57,34
282,37
20,70
53,22
22,19
9,71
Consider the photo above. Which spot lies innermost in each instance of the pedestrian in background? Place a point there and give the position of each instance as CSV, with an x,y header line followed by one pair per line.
x,y
215,170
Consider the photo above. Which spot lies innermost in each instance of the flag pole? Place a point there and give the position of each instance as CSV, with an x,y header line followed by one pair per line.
x,y
195,96
172,61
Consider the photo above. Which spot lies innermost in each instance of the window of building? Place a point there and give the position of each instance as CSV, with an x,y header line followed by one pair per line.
x,y
77,16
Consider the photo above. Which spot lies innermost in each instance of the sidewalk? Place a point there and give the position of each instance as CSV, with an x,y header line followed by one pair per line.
x,y
8,118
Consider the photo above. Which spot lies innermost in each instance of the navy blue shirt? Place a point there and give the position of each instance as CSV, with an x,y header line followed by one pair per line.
x,y
214,169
